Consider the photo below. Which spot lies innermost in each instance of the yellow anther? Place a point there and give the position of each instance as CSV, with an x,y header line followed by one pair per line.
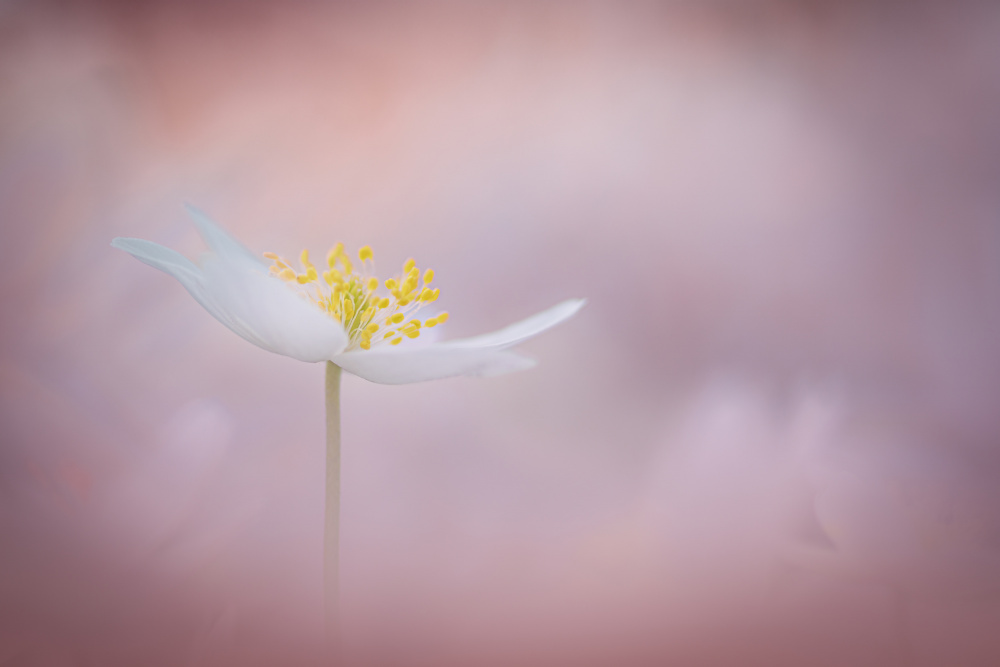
x,y
311,273
427,294
434,295
286,274
328,278
371,328
305,259
272,256
372,284
302,278
348,267
408,286
403,302
430,322
391,284
335,252
366,344
365,253
383,302
395,341
428,275
367,315
389,334
348,307
442,318
409,264
414,333
396,319
414,275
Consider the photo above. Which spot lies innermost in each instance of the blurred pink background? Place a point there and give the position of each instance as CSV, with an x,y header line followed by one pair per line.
x,y
771,438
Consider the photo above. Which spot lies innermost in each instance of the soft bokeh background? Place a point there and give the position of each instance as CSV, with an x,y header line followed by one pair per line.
x,y
771,438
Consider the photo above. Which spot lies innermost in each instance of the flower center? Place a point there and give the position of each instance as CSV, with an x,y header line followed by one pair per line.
x,y
353,298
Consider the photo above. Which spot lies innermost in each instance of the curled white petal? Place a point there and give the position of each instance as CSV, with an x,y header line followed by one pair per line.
x,y
527,328
254,305
187,274
430,363
282,320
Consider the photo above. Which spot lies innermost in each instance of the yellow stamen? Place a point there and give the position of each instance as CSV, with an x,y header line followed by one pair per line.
x,y
352,299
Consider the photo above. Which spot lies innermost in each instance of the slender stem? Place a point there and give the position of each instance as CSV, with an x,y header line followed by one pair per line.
x,y
331,534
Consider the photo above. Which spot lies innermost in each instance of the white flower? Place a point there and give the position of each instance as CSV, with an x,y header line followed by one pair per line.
x,y
337,315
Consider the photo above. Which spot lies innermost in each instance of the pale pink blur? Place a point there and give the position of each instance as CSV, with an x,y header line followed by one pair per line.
x,y
771,438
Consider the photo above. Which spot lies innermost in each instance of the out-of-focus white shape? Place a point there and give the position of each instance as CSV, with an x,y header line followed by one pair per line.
x,y
236,288
920,518
196,437
161,508
724,491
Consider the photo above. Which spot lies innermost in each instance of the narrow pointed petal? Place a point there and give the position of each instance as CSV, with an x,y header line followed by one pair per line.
x,y
523,330
430,363
159,257
220,241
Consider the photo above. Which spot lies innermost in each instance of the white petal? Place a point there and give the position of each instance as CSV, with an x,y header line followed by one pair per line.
x,y
190,276
429,363
159,257
525,329
284,321
220,241
257,307
481,356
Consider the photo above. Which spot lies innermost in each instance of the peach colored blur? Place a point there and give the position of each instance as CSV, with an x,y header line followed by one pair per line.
x,y
771,438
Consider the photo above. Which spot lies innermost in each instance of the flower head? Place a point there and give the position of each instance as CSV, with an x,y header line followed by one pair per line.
x,y
342,313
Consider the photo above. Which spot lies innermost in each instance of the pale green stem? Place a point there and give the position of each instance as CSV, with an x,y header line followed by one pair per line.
x,y
331,534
